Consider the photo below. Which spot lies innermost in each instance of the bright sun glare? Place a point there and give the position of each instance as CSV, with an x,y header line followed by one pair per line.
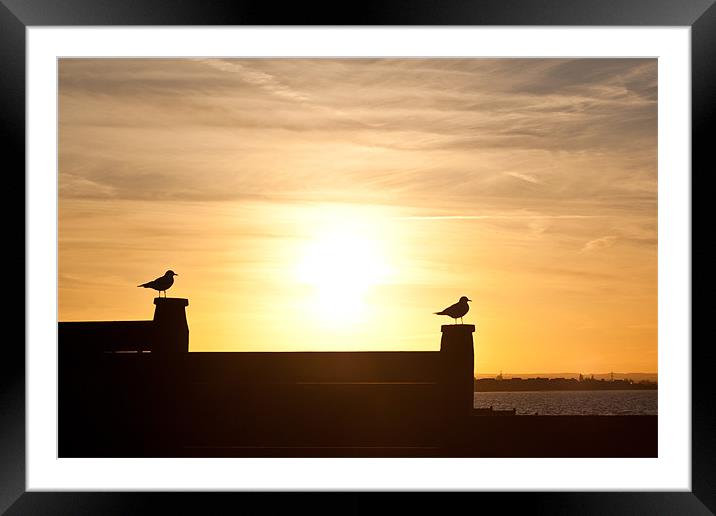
x,y
341,265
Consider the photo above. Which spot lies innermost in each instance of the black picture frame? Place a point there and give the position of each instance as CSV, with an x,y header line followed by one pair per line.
x,y
17,15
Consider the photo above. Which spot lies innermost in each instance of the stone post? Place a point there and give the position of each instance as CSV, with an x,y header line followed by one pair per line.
x,y
171,328
457,379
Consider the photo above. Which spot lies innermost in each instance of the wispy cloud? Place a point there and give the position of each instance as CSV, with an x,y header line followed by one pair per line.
x,y
439,131
264,80
599,243
525,177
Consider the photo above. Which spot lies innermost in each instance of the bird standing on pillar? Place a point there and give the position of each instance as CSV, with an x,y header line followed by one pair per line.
x,y
458,310
161,284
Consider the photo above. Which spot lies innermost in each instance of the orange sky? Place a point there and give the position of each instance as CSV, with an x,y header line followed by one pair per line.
x,y
335,204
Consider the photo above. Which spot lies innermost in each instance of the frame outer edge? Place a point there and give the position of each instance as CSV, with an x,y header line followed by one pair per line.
x,y
12,129
12,360
703,121
367,12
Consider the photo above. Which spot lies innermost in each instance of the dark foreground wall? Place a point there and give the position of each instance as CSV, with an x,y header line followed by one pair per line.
x,y
486,436
564,436
306,404
148,405
132,389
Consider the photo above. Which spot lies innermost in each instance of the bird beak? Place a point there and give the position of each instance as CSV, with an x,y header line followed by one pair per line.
x,y
175,274
470,300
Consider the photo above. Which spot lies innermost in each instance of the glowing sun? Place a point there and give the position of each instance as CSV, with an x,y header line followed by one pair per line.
x,y
341,265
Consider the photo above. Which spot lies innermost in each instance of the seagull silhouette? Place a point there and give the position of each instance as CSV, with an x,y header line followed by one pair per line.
x,y
458,310
161,284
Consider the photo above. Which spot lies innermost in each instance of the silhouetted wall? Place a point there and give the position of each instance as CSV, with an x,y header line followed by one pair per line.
x,y
168,332
129,385
132,389
105,336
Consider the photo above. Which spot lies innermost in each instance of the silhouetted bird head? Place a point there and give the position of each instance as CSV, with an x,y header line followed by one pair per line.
x,y
464,299
170,273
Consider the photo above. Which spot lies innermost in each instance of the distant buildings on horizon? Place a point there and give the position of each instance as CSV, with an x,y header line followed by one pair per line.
x,y
636,377
581,383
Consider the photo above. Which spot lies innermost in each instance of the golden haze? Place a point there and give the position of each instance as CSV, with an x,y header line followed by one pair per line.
x,y
335,204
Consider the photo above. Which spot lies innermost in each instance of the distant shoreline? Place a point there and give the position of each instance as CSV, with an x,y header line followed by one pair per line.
x,y
636,377
559,384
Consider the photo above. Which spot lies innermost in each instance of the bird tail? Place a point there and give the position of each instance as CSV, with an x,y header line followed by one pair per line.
x,y
142,285
438,313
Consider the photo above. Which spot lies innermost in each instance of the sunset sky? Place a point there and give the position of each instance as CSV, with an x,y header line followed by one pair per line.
x,y
334,204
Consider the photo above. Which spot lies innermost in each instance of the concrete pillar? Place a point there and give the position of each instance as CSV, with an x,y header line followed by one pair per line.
x,y
170,326
457,355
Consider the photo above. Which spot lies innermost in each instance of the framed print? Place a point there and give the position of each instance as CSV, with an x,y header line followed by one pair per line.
x,y
296,209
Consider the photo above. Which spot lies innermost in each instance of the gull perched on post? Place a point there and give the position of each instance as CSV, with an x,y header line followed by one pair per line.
x,y
458,310
161,284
